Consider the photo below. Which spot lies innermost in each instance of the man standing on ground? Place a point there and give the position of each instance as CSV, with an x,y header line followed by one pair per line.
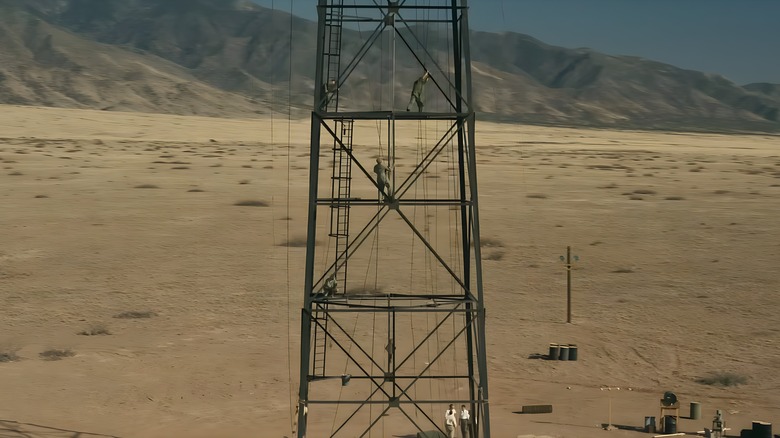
x,y
450,422
465,422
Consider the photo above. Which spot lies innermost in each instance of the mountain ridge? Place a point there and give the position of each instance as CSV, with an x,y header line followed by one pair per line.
x,y
210,57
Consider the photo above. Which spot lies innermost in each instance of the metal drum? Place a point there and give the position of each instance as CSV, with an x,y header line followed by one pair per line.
x,y
572,351
554,350
564,352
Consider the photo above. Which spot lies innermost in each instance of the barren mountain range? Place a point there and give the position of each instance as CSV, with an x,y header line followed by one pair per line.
x,y
216,57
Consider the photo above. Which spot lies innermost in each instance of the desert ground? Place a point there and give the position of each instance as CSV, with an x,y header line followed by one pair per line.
x,y
124,226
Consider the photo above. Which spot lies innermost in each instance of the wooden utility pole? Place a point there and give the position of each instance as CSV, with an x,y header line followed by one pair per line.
x,y
568,281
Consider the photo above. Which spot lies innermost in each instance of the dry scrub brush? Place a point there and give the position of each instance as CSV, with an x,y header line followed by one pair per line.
x,y
8,354
724,379
95,330
132,314
251,203
56,354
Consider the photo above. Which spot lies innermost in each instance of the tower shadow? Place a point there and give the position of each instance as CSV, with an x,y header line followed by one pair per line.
x,y
15,429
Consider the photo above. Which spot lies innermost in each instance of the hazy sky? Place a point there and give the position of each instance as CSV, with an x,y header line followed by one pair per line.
x,y
739,39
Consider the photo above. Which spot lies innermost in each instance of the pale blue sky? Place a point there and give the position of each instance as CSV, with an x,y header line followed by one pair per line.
x,y
739,39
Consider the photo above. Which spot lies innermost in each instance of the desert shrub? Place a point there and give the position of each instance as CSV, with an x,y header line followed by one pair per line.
x,y
536,196
251,203
146,186
644,192
495,255
604,167
56,354
8,355
95,330
674,198
132,314
724,379
623,271
195,190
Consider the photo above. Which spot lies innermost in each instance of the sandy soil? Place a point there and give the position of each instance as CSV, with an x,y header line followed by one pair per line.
x,y
108,213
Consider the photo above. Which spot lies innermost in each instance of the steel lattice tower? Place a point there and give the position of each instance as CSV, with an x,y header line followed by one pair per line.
x,y
396,354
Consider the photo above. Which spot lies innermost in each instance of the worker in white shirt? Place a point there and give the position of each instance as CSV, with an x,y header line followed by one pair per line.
x,y
450,422
465,422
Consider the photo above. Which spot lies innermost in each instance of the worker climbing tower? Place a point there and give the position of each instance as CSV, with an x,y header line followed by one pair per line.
x,y
393,318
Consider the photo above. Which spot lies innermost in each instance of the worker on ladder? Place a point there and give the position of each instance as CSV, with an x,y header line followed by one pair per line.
x,y
417,92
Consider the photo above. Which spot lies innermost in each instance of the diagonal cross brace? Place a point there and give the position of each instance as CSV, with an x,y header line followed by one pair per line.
x,y
403,391
405,186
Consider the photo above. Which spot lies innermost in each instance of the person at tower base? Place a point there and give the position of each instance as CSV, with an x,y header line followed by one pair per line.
x,y
450,422
417,92
383,179
465,422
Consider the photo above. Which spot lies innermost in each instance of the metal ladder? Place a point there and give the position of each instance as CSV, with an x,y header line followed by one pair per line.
x,y
341,185
320,340
341,177
333,31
